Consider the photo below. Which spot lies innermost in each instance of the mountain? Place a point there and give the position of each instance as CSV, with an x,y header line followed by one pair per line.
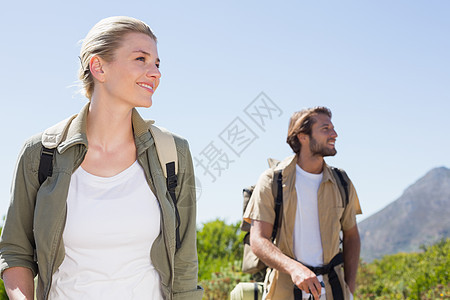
x,y
421,216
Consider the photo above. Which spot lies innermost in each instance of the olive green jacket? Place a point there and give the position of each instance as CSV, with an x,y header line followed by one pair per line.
x,y
32,233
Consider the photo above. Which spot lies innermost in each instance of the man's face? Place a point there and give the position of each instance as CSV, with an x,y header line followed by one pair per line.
x,y
323,137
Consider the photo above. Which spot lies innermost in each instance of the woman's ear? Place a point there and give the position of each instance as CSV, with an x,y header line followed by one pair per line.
x,y
96,67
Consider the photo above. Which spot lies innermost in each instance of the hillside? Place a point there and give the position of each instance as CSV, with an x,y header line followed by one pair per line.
x,y
419,217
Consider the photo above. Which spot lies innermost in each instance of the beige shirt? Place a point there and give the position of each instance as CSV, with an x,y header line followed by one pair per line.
x,y
333,217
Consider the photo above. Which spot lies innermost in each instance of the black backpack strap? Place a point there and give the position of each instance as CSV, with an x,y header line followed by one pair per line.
x,y
278,176
45,164
255,291
343,186
172,181
333,279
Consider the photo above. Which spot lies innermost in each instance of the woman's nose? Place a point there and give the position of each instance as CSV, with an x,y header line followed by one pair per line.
x,y
154,72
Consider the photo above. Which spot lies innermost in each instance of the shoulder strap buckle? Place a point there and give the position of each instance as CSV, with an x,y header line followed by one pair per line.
x,y
167,155
46,164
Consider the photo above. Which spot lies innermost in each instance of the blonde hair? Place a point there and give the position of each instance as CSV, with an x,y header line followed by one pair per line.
x,y
102,40
302,122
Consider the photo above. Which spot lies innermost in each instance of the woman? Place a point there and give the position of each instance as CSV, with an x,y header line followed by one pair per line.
x,y
103,225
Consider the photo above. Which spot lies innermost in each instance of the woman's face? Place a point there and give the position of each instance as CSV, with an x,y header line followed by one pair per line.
x,y
133,75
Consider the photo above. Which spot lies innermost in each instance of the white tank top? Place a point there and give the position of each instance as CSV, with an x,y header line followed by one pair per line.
x,y
111,225
307,241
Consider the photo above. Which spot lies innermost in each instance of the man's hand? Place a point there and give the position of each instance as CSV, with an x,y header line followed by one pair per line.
x,y
305,280
301,276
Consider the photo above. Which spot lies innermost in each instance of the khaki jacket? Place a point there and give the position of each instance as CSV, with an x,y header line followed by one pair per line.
x,y
332,218
32,233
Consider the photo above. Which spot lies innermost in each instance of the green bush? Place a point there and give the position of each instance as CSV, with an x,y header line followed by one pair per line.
x,y
400,276
222,283
407,276
3,295
218,244
220,250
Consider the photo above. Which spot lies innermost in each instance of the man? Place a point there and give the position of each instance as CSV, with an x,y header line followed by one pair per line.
x,y
313,216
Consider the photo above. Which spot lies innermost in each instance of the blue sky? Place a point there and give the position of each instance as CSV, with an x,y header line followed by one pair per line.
x,y
383,68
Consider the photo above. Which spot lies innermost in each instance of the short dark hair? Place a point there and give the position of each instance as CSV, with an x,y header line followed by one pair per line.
x,y
302,122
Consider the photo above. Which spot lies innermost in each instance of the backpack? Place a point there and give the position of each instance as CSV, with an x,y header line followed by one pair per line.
x,y
167,154
247,291
251,263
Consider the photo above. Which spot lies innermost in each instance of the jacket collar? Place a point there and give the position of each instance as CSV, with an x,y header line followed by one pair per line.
x,y
141,128
287,165
72,131
327,174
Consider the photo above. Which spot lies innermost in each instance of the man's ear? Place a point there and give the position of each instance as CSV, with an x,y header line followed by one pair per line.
x,y
302,138
96,67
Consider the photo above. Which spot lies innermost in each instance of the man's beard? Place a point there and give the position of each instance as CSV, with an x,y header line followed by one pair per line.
x,y
322,150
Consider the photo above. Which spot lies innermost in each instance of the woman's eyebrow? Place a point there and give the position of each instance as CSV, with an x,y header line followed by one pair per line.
x,y
142,51
146,53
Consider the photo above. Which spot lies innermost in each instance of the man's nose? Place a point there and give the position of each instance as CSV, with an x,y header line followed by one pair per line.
x,y
334,133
